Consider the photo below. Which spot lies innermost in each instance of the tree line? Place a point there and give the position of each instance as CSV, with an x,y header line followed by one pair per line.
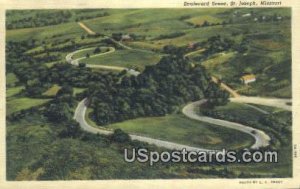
x,y
161,89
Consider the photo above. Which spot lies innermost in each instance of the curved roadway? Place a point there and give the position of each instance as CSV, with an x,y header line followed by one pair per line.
x,y
79,116
261,138
75,62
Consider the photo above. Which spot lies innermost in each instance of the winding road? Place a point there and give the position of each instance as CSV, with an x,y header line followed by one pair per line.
x,y
261,138
79,116
75,62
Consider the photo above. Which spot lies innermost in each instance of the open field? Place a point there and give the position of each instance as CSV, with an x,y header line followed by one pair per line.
x,y
40,33
13,91
178,128
91,52
23,103
125,58
51,92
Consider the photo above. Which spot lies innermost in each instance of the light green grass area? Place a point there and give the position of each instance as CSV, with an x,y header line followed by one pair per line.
x,y
52,91
90,51
199,20
11,79
218,60
12,91
125,58
144,45
23,103
239,110
179,129
84,53
143,22
66,30
78,90
193,35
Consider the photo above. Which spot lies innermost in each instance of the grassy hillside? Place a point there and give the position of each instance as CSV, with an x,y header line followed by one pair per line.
x,y
179,129
125,58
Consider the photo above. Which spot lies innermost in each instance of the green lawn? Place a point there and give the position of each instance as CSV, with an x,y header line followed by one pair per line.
x,y
78,90
178,128
90,52
199,20
52,91
23,103
143,21
13,91
125,58
239,110
11,79
66,30
218,60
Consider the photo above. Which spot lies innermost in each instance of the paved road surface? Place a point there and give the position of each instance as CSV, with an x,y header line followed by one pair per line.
x,y
261,138
226,87
274,102
75,62
79,116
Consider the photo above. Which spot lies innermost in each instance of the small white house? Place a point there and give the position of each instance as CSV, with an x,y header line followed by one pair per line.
x,y
126,37
246,15
249,78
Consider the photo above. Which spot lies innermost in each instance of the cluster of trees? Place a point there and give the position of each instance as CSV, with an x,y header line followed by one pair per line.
x,y
184,17
174,50
207,23
212,45
135,37
38,18
170,35
277,126
216,44
37,77
85,17
47,58
161,89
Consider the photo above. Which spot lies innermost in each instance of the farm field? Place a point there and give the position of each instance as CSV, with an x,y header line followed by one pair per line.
x,y
14,105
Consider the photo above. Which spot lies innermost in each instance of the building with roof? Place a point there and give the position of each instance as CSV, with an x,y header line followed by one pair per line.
x,y
249,78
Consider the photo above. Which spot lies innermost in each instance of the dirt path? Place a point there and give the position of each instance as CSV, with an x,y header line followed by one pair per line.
x,y
194,52
88,30
226,87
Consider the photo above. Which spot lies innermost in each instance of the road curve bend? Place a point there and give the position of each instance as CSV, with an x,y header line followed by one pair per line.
x,y
261,138
79,116
75,62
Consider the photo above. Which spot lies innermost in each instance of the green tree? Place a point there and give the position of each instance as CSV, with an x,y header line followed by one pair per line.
x,y
120,136
59,112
